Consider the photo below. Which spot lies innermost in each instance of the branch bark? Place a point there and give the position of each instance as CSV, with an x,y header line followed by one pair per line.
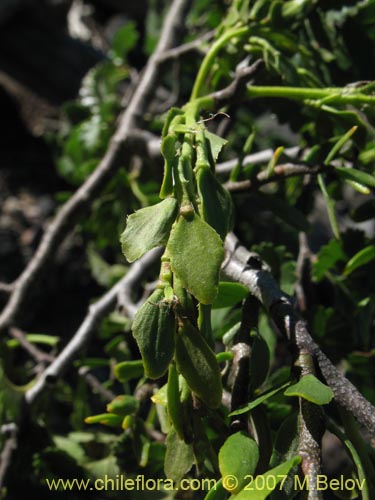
x,y
238,267
95,313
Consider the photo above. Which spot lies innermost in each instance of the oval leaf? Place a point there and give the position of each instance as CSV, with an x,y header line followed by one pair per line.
x,y
179,457
263,487
127,370
197,363
123,405
216,203
229,294
311,389
238,457
196,253
154,329
148,228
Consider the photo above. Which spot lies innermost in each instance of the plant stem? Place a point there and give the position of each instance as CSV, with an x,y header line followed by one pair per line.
x,y
209,59
330,207
336,95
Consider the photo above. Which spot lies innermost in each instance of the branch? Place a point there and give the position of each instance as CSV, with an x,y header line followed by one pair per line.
x,y
238,266
9,446
38,355
254,159
96,312
77,204
195,45
280,172
238,85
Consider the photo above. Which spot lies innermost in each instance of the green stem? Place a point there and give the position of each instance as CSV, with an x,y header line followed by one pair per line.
x,y
204,323
336,95
330,207
210,57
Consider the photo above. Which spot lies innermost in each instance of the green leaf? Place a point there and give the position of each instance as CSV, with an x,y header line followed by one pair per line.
x,y
327,257
148,228
229,294
311,389
154,330
258,401
196,252
216,203
361,258
217,492
125,40
179,457
216,143
197,363
238,457
260,487
127,370
357,176
123,405
109,419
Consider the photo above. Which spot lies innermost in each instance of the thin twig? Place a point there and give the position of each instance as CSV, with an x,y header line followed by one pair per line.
x,y
195,45
303,272
254,159
75,206
95,384
237,266
238,84
283,171
96,312
7,288
9,446
38,355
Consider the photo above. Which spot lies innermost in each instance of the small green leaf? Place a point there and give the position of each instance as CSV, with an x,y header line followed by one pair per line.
x,y
154,330
127,370
179,457
311,389
125,39
357,176
258,401
216,202
148,228
216,143
109,419
327,257
260,487
361,258
123,405
339,144
238,457
197,363
229,294
196,252
217,492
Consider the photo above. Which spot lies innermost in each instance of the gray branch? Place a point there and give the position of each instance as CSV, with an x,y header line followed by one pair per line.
x,y
241,266
95,314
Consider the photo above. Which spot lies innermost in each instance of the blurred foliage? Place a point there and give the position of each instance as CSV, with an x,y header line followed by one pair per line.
x,y
311,44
